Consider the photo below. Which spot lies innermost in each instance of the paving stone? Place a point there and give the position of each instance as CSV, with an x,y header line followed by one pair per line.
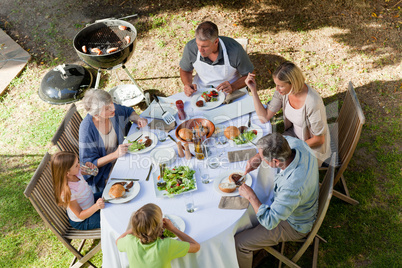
x,y
13,58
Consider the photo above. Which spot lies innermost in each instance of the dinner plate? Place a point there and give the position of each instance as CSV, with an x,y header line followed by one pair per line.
x,y
163,155
177,222
207,105
155,111
225,178
164,193
133,192
256,138
135,135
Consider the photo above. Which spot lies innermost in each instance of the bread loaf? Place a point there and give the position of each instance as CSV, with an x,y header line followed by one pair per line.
x,y
231,132
227,187
186,134
117,190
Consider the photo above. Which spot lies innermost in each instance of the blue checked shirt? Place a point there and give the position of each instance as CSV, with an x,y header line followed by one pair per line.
x,y
295,192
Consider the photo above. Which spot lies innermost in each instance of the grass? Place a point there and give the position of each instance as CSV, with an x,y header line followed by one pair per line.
x,y
331,53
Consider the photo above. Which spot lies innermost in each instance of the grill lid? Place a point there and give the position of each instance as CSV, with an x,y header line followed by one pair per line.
x,y
65,84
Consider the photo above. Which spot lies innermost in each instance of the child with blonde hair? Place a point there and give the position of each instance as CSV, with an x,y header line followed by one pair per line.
x,y
74,193
143,242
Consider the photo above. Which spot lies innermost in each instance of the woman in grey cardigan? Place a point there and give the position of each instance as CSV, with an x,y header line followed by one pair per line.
x,y
303,109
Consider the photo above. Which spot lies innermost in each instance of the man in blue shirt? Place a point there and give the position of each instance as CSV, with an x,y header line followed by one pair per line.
x,y
294,206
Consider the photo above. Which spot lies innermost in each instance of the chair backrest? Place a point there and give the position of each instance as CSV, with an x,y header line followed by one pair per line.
x,y
41,194
324,198
349,126
243,42
66,136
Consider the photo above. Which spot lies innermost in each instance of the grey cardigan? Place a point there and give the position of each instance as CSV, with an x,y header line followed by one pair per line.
x,y
315,120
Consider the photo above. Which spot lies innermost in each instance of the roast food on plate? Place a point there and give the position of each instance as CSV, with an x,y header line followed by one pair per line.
x,y
117,190
231,132
235,178
186,134
210,96
140,144
242,129
199,103
227,187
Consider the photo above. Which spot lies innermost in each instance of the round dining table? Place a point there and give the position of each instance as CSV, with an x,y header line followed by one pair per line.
x,y
212,227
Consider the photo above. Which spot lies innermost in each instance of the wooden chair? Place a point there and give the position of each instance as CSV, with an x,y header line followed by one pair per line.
x,y
323,204
345,135
41,194
66,136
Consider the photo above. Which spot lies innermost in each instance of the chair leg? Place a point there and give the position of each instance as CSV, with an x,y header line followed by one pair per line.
x,y
345,187
279,256
87,257
345,198
282,251
315,252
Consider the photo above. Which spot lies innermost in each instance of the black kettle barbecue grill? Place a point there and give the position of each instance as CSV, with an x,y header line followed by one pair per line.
x,y
102,36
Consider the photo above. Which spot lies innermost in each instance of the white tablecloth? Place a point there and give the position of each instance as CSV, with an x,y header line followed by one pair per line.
x,y
212,227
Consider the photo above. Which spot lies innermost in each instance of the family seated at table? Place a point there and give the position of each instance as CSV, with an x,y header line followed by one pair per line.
x,y
304,112
295,203
102,132
219,61
144,244
74,193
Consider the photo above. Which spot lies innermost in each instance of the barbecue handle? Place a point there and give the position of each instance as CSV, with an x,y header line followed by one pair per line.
x,y
156,98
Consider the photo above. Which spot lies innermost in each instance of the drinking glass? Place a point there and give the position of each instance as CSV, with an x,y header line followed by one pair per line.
x,y
211,152
189,202
160,132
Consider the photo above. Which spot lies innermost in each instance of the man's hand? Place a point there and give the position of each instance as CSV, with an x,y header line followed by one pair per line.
x,y
250,82
246,192
225,87
253,163
190,89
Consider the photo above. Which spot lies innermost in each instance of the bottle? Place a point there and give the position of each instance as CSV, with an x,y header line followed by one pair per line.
x,y
199,154
180,109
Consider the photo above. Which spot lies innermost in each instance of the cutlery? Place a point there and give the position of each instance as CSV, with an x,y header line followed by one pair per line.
x,y
240,181
171,138
107,200
166,116
249,120
149,173
124,179
138,137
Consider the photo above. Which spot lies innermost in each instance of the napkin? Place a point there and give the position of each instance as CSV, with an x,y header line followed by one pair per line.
x,y
241,155
156,122
233,202
232,96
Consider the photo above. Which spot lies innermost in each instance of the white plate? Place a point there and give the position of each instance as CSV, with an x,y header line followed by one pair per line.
x,y
164,193
133,192
127,95
207,105
225,178
155,111
256,138
135,135
177,222
163,155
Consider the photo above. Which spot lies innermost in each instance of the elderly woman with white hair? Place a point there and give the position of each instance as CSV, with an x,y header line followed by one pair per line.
x,y
102,133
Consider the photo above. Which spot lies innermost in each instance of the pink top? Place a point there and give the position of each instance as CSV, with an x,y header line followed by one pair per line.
x,y
81,192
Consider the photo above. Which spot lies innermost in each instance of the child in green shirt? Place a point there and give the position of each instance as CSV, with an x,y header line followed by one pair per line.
x,y
144,245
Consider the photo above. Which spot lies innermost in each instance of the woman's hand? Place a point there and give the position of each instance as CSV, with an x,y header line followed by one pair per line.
x,y
100,203
250,82
121,150
142,122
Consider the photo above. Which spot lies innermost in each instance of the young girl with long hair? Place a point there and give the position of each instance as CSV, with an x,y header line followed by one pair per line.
x,y
74,193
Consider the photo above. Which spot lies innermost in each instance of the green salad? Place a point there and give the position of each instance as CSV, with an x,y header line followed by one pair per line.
x,y
245,137
136,146
167,233
178,180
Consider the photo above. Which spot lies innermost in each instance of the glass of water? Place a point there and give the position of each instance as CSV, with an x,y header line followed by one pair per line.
x,y
211,152
160,132
189,202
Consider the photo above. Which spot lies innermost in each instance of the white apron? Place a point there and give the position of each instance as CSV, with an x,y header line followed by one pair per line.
x,y
213,75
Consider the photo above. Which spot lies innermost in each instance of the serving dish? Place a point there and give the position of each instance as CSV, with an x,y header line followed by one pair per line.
x,y
192,123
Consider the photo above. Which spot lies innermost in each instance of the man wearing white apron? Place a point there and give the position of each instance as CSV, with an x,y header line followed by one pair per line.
x,y
219,61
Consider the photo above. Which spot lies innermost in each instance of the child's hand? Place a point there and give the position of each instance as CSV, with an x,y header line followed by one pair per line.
x,y
91,165
100,203
167,224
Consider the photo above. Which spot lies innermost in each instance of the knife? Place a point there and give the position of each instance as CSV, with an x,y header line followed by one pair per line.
x,y
149,173
124,179
138,137
249,120
171,138
107,200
